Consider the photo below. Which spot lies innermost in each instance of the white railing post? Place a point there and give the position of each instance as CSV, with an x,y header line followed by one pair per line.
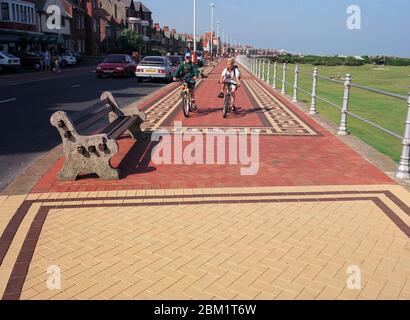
x,y
263,70
295,86
345,109
313,108
260,69
268,80
284,79
404,169
275,74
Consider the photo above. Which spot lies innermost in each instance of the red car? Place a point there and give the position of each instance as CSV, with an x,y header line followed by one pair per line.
x,y
117,65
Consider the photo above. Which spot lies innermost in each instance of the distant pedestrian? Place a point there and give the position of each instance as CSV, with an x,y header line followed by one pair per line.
x,y
57,67
47,60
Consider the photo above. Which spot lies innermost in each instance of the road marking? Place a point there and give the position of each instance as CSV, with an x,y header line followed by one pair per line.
x,y
76,86
8,100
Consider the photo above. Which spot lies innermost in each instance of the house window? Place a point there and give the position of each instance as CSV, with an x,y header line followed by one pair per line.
x,y
5,14
63,21
95,4
115,11
95,26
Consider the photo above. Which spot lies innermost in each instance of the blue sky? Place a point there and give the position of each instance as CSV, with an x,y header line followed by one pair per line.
x,y
307,26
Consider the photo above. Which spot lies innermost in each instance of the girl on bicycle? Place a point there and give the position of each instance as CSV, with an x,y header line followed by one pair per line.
x,y
232,76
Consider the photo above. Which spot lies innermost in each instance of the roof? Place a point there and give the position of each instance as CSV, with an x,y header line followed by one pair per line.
x,y
140,6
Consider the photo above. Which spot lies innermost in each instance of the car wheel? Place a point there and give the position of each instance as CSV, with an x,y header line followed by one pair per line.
x,y
64,64
139,79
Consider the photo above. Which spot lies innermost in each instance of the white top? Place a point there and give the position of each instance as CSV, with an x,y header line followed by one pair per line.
x,y
231,74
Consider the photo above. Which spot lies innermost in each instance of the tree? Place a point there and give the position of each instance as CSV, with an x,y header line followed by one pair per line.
x,y
130,41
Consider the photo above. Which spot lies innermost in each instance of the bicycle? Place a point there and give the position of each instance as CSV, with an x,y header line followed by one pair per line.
x,y
186,99
227,107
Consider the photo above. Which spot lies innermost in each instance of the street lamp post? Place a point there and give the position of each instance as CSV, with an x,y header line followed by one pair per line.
x,y
223,42
212,31
195,54
217,38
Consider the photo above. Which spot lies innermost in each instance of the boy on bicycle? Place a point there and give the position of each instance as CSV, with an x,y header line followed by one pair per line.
x,y
230,75
189,72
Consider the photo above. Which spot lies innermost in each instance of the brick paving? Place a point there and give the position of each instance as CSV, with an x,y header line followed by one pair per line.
x,y
204,232
294,150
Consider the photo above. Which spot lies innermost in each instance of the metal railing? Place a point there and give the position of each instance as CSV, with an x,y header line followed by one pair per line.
x,y
257,66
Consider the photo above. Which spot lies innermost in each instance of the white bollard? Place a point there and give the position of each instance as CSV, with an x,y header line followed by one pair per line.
x,y
295,86
404,169
275,74
313,108
345,109
284,79
268,80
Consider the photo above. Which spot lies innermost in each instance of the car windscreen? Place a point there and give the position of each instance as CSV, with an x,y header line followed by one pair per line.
x,y
153,61
8,55
115,59
175,60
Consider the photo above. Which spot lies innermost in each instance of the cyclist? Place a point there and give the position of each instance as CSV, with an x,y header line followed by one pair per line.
x,y
189,72
231,75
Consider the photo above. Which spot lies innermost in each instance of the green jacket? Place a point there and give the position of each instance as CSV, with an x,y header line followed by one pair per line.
x,y
187,71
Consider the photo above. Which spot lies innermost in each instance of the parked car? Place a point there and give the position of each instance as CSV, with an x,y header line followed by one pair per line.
x,y
116,65
176,62
8,62
67,59
76,55
31,59
153,67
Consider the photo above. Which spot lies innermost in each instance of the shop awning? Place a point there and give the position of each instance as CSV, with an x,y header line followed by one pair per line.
x,y
9,38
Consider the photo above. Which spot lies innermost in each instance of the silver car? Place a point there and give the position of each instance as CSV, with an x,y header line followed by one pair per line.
x,y
152,67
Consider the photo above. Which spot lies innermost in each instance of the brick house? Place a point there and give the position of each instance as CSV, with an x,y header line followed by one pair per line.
x,y
106,20
78,40
17,24
139,19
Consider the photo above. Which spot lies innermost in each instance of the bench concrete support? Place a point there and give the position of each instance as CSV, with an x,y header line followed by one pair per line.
x,y
92,154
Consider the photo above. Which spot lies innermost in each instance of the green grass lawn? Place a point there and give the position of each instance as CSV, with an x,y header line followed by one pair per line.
x,y
385,111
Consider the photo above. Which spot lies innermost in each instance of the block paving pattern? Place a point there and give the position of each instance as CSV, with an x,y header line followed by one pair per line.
x,y
215,244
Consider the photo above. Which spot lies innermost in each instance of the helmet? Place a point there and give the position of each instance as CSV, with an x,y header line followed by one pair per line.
x,y
188,55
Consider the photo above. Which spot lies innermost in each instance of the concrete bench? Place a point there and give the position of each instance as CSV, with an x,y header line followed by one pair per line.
x,y
85,154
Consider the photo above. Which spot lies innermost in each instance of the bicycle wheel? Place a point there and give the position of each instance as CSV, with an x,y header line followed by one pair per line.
x,y
186,104
227,102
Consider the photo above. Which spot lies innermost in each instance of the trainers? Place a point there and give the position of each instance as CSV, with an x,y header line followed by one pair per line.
x,y
221,95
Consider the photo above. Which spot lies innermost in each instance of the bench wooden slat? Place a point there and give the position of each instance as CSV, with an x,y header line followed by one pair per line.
x,y
82,115
125,125
93,119
113,126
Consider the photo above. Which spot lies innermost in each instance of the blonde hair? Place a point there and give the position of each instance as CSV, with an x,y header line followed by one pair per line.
x,y
230,61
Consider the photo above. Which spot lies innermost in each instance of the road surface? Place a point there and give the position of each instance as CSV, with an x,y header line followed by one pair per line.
x,y
28,100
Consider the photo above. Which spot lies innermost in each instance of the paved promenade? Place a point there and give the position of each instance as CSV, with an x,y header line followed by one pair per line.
x,y
314,209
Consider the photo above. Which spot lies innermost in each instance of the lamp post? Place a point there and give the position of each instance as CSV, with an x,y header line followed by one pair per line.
x,y
217,39
194,58
212,31
223,42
